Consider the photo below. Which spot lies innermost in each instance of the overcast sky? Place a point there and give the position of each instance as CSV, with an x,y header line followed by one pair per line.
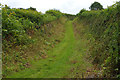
x,y
65,6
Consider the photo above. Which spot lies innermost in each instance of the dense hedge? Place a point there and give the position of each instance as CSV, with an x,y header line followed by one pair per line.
x,y
16,23
54,12
104,27
21,30
69,16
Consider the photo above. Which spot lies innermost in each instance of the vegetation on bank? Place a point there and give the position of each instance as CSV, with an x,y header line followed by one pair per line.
x,y
28,35
22,21
20,31
102,28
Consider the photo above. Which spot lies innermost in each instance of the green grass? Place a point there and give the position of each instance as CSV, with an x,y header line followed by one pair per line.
x,y
67,55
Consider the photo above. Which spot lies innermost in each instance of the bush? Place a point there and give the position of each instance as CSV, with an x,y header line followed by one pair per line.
x,y
103,26
17,22
54,12
83,10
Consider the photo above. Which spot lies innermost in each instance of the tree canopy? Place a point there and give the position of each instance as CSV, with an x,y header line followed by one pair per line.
x,y
31,8
96,6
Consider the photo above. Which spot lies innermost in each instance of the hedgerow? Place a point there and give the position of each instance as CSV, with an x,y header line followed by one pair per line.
x,y
17,22
104,27
19,26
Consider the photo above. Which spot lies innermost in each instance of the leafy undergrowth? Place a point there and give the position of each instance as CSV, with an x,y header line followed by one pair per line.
x,y
65,60
20,57
53,64
30,43
83,40
27,34
101,29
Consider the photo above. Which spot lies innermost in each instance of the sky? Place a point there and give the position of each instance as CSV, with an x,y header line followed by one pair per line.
x,y
65,6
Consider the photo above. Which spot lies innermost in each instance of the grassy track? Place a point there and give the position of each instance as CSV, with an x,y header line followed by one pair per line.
x,y
59,62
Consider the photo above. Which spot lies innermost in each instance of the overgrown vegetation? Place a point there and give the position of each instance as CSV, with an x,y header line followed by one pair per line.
x,y
69,16
28,35
20,31
103,33
22,21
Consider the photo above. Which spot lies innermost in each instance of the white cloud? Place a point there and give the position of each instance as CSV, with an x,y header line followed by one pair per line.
x,y
67,6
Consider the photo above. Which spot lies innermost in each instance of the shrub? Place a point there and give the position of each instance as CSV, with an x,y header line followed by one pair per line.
x,y
103,26
54,12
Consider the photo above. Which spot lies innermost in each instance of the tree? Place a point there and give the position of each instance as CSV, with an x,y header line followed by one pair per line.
x,y
81,11
31,8
7,7
96,6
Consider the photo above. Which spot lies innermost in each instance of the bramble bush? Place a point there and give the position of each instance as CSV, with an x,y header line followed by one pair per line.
x,y
18,22
104,27
19,26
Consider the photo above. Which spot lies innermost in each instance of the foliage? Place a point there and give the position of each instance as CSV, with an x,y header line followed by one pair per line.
x,y
54,12
7,7
103,26
69,16
18,27
83,10
96,6
31,8
48,18
17,22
